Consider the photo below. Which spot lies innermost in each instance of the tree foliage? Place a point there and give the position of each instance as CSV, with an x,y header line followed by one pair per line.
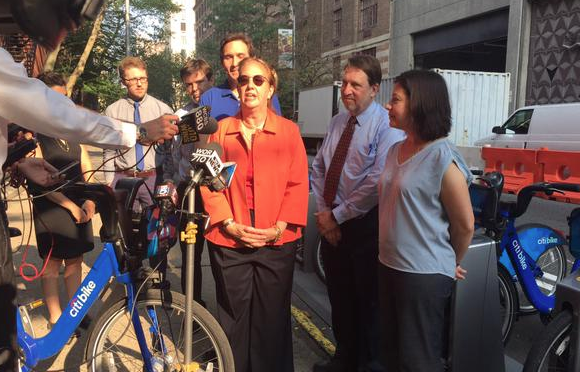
x,y
148,39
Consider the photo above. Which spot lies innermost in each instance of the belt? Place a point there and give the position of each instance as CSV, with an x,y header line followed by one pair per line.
x,y
140,174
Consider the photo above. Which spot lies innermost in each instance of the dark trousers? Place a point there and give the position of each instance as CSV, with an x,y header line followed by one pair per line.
x,y
351,278
199,243
254,288
7,298
414,319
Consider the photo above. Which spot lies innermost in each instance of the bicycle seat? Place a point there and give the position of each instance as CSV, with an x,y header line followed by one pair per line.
x,y
125,193
485,193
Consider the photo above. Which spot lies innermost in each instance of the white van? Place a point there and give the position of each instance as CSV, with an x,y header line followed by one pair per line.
x,y
556,127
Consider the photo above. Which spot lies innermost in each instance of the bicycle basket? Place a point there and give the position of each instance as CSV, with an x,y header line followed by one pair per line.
x,y
153,238
484,193
574,224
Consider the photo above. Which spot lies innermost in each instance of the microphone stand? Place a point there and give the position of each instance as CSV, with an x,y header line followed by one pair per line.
x,y
189,236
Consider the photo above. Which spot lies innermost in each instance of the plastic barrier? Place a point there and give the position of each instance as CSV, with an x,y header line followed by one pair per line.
x,y
561,166
518,166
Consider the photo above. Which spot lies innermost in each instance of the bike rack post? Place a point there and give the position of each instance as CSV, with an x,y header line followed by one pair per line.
x,y
568,297
475,334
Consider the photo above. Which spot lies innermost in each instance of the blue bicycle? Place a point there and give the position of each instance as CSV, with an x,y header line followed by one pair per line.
x,y
143,330
531,255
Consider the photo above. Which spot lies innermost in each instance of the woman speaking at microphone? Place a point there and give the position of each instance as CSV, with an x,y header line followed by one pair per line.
x,y
254,225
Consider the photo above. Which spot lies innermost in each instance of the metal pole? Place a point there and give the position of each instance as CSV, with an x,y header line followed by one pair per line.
x,y
293,59
189,282
127,29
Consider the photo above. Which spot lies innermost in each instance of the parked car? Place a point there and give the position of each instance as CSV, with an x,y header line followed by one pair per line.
x,y
556,127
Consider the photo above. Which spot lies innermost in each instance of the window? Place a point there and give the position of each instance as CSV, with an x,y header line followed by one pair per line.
x,y
337,23
519,122
183,26
367,52
368,14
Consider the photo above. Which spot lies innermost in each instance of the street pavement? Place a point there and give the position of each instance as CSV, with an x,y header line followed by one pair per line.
x,y
306,350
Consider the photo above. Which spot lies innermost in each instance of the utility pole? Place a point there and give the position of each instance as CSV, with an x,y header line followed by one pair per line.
x,y
127,29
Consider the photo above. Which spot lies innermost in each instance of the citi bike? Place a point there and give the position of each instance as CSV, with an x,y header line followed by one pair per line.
x,y
531,254
557,349
144,329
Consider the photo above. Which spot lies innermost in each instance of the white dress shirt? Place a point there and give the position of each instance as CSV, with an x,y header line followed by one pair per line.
x,y
32,105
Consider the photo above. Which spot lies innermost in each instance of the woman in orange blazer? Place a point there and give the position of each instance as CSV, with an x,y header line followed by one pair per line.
x,y
254,225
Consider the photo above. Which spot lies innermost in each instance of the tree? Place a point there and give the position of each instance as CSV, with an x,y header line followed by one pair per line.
x,y
148,37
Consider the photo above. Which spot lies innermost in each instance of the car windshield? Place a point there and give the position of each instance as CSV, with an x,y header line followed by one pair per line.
x,y
519,122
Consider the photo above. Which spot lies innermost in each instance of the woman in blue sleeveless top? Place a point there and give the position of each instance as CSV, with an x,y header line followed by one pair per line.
x,y
425,222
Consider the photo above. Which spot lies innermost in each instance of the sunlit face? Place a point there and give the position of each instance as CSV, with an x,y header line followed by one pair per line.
x,y
196,84
255,87
356,92
398,106
234,52
136,81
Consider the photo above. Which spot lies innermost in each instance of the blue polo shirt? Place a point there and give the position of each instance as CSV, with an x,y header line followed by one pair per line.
x,y
224,103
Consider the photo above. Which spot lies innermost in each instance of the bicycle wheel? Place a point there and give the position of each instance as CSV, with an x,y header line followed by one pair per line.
x,y
508,302
318,264
553,265
112,344
550,352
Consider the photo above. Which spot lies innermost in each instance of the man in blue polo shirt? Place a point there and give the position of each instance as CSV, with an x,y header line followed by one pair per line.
x,y
223,99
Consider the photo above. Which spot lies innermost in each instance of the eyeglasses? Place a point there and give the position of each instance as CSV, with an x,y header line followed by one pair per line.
x,y
257,79
137,80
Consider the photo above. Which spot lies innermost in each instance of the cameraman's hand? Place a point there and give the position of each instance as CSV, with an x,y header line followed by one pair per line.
x,y
160,129
38,171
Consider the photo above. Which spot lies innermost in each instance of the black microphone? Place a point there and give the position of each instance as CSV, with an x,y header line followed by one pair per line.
x,y
206,161
196,122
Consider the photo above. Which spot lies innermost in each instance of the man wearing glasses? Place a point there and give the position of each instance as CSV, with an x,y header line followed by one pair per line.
x,y
223,99
141,161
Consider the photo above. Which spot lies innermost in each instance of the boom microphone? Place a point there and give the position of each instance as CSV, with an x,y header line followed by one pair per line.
x,y
196,122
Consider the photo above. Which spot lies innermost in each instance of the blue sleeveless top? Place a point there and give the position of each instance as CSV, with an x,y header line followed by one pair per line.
x,y
413,226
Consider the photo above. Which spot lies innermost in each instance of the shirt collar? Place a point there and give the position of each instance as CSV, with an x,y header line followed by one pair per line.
x,y
269,126
226,91
132,101
367,114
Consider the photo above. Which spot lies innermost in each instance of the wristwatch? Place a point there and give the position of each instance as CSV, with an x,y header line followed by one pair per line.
x,y
141,133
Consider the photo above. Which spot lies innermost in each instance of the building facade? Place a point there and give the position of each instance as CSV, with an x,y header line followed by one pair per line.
x,y
182,26
534,40
338,29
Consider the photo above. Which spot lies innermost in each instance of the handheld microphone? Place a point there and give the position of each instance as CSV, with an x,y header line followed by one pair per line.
x,y
196,122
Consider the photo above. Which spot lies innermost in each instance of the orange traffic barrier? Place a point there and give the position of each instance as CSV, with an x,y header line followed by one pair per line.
x,y
561,166
518,166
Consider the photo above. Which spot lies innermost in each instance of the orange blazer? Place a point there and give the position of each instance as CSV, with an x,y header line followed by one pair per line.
x,y
280,179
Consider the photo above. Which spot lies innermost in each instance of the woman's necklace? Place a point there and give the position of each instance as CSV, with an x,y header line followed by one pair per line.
x,y
63,144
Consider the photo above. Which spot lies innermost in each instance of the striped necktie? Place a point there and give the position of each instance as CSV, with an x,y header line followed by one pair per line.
x,y
138,147
337,163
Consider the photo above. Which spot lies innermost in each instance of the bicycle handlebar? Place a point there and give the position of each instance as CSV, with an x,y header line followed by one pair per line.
x,y
525,195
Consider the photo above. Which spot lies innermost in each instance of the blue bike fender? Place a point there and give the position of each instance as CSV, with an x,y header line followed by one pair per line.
x,y
535,238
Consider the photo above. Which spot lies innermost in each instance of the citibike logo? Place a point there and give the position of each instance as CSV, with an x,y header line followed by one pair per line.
x,y
548,240
520,254
79,301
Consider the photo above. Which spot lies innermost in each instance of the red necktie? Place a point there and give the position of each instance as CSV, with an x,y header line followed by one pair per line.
x,y
337,163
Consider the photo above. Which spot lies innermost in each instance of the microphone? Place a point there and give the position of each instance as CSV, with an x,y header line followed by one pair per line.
x,y
224,179
196,122
166,191
206,161
209,169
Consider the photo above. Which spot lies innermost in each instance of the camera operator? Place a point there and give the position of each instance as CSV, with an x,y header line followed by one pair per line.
x,y
27,101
